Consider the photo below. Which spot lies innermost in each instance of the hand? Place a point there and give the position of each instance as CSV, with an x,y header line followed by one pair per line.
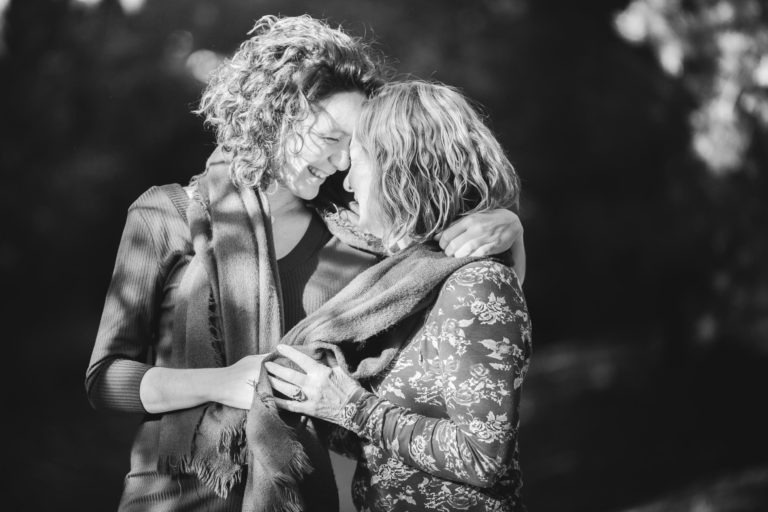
x,y
481,234
237,382
351,215
326,388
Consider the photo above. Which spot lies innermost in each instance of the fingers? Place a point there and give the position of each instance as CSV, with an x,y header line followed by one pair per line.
x,y
330,357
291,405
466,243
285,373
283,387
490,232
305,362
481,251
450,233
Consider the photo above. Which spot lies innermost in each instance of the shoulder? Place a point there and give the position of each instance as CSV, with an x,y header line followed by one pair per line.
x,y
481,301
479,286
156,214
161,206
154,200
482,274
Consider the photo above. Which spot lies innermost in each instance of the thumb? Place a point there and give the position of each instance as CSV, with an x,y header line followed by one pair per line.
x,y
330,358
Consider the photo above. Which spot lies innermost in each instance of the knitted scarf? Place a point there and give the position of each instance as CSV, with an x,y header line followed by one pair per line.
x,y
229,308
368,322
231,282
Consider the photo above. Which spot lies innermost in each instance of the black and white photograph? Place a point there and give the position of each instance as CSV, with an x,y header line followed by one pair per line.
x,y
365,256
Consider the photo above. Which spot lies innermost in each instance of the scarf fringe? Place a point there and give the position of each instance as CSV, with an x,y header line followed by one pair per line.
x,y
212,478
287,484
279,486
233,443
284,486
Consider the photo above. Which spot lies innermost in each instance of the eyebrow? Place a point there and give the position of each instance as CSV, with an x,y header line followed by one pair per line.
x,y
330,131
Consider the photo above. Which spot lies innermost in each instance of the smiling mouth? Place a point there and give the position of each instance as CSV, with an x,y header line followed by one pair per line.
x,y
316,173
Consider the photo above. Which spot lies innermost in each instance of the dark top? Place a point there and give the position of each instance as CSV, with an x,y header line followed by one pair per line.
x,y
137,325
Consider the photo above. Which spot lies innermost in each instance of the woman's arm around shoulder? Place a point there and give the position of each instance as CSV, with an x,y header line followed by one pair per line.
x,y
484,234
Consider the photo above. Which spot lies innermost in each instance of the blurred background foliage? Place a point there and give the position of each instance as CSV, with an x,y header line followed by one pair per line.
x,y
639,128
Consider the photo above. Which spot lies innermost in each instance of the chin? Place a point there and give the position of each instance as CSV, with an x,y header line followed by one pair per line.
x,y
307,193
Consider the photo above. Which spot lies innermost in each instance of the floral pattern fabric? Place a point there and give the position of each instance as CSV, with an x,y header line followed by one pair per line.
x,y
439,430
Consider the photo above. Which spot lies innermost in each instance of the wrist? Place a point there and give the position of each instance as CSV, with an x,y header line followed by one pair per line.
x,y
212,386
196,386
350,411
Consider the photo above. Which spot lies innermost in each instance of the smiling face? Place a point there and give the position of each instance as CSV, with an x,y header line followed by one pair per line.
x,y
431,160
322,145
359,180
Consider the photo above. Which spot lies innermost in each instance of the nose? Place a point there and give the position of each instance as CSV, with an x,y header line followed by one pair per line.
x,y
340,159
347,184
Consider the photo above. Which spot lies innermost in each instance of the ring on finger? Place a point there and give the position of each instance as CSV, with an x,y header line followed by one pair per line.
x,y
299,395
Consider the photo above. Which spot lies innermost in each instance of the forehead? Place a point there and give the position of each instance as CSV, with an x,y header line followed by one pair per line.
x,y
338,112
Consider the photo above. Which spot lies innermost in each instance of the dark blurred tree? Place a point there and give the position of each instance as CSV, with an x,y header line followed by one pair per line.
x,y
96,108
718,49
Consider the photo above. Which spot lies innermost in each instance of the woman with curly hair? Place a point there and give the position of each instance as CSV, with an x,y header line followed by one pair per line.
x,y
209,276
435,422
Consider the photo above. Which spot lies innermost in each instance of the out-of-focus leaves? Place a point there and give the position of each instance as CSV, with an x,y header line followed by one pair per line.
x,y
718,48
719,52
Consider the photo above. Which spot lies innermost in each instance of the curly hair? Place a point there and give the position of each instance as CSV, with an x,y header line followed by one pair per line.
x,y
255,100
435,157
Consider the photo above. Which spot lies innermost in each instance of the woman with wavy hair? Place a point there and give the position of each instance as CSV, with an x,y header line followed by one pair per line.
x,y
209,276
435,421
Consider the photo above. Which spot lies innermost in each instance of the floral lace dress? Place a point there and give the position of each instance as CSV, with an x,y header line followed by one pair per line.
x,y
439,431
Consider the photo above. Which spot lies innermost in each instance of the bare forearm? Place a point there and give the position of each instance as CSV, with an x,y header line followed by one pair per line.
x,y
170,389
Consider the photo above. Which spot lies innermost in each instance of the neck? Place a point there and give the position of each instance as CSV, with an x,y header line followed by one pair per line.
x,y
282,203
290,219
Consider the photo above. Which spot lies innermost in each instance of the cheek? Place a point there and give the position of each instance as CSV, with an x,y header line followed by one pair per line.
x,y
314,150
372,208
289,175
302,150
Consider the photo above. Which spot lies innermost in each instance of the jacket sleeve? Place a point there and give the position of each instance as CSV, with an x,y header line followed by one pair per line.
x,y
481,330
128,324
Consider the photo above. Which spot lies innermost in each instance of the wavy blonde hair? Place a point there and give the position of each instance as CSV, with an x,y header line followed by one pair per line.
x,y
435,157
258,98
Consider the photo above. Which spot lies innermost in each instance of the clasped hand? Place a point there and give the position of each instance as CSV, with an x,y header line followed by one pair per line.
x,y
321,392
